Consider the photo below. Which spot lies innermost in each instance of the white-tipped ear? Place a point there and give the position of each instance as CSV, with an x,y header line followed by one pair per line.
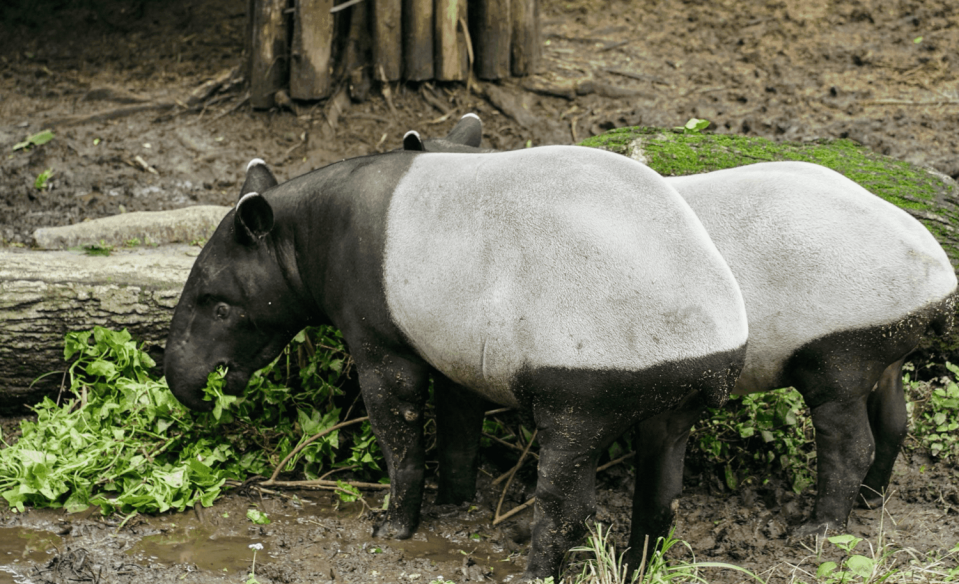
x,y
413,142
252,219
245,197
468,131
254,162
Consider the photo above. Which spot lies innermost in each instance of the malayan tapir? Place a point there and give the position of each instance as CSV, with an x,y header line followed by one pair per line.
x,y
839,287
570,283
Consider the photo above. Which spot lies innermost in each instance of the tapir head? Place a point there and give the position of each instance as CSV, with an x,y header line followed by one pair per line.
x,y
237,309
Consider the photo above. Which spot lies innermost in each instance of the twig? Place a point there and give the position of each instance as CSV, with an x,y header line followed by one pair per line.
x,y
615,462
501,518
512,474
320,484
344,6
509,445
497,411
280,466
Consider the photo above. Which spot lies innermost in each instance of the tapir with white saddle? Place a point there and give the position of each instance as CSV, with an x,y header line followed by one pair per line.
x,y
839,287
573,284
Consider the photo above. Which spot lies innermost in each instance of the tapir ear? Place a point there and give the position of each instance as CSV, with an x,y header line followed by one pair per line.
x,y
413,142
253,219
258,177
468,131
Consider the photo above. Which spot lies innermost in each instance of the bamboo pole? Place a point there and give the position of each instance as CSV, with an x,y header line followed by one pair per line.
x,y
269,71
525,36
451,55
387,40
418,40
311,50
490,25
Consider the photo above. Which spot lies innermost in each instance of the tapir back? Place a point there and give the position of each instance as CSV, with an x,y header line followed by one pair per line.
x,y
815,254
552,257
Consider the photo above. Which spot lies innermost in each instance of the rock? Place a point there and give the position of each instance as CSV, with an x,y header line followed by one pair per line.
x,y
149,227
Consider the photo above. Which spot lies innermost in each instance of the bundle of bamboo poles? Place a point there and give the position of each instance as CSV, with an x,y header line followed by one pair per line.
x,y
305,47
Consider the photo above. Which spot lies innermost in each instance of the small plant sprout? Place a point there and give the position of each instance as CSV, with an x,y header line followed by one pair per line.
x,y
43,179
38,139
251,579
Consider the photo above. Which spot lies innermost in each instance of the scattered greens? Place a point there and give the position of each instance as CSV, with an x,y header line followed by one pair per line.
x,y
42,179
694,126
258,517
38,139
757,434
117,437
935,412
98,249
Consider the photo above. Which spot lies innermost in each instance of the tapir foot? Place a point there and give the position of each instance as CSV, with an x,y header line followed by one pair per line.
x,y
393,530
819,528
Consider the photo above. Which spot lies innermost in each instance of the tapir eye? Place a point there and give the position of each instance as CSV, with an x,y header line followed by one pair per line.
x,y
222,311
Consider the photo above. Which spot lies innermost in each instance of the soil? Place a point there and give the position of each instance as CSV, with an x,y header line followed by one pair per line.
x,y
149,113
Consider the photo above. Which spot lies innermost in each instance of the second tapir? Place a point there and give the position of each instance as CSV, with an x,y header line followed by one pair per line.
x,y
571,283
839,287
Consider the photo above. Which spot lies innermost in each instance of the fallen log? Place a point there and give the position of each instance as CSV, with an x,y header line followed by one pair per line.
x,y
45,294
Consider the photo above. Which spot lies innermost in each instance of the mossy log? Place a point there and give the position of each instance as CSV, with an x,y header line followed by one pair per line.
x,y
45,294
926,194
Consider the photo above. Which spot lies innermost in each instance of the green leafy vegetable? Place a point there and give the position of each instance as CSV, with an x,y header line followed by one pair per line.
x,y
38,139
118,438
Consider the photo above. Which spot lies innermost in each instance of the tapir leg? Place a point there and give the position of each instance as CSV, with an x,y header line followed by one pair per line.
x,y
395,391
459,425
566,486
889,422
844,451
660,452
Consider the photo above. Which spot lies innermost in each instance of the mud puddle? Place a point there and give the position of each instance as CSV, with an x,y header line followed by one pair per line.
x,y
310,538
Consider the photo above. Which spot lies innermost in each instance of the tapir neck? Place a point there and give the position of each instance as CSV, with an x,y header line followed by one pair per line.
x,y
285,239
329,234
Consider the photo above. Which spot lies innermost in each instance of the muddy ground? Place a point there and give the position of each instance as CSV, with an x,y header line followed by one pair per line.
x,y
114,79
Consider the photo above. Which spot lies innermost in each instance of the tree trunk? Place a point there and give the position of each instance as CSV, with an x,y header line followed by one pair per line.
x,y
270,69
387,40
418,39
44,295
525,37
450,44
312,49
490,25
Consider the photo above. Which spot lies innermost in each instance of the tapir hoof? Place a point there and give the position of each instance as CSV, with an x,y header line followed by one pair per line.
x,y
393,530
819,529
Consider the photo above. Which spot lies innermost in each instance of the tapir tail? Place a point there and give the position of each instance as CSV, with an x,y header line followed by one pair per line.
x,y
944,317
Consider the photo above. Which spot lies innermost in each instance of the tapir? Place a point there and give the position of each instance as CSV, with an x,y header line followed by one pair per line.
x,y
839,286
570,283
